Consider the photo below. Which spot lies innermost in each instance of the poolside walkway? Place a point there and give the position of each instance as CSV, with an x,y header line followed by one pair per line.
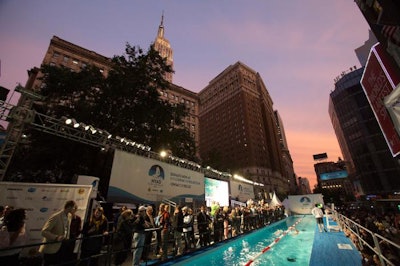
x,y
333,248
330,248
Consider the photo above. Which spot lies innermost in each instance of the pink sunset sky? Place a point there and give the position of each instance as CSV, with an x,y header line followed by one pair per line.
x,y
298,47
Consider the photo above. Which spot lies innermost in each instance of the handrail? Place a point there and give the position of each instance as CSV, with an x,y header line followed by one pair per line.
x,y
355,228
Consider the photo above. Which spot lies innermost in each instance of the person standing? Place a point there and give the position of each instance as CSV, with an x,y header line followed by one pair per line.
x,y
177,225
93,232
319,214
203,220
159,227
149,234
188,228
166,226
123,237
12,234
218,225
75,230
57,229
139,236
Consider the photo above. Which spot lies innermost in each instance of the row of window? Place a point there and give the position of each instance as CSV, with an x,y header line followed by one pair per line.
x,y
69,60
176,98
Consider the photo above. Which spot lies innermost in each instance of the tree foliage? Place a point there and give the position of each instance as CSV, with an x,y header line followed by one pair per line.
x,y
126,103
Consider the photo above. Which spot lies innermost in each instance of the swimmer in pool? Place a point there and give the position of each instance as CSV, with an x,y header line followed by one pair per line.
x,y
278,232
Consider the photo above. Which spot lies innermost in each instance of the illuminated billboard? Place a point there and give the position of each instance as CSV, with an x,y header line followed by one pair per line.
x,y
216,191
378,81
333,175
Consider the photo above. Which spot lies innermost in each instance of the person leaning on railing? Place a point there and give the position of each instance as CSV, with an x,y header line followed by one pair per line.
x,y
122,238
93,231
56,230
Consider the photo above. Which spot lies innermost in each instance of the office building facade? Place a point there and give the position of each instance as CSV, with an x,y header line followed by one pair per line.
x,y
238,128
375,170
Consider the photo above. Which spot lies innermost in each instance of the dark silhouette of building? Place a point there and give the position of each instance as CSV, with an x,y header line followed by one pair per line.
x,y
383,17
3,93
360,138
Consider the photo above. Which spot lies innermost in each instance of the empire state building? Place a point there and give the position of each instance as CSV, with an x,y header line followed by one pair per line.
x,y
163,47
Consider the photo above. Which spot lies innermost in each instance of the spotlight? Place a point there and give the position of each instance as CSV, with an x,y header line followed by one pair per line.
x,y
75,124
107,134
92,129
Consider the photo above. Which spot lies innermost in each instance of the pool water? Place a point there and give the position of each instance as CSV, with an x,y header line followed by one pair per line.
x,y
292,249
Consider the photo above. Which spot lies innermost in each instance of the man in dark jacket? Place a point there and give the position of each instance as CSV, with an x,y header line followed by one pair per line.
x,y
203,220
139,235
177,225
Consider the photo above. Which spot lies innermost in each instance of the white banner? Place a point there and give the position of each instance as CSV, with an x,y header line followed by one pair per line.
x,y
138,179
303,204
241,191
42,200
90,180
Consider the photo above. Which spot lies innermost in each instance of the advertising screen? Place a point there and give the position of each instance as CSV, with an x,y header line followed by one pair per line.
x,y
333,175
216,191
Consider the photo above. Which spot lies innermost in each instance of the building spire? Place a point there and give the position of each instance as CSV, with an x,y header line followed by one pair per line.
x,y
160,33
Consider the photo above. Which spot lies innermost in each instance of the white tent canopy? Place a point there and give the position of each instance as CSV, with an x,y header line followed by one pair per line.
x,y
275,201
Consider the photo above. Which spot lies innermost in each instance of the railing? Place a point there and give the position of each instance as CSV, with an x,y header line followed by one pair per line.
x,y
381,246
108,252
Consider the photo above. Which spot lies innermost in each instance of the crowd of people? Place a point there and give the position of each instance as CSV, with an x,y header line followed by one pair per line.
x,y
145,232
385,223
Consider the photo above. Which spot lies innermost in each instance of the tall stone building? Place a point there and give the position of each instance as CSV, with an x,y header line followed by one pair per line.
x,y
162,45
288,171
176,94
63,53
238,131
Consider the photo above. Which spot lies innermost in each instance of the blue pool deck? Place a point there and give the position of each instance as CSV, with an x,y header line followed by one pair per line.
x,y
331,248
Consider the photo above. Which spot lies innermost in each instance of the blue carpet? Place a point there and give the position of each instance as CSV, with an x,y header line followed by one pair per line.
x,y
333,249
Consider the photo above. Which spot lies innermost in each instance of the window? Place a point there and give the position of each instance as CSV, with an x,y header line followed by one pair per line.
x,y
55,54
66,59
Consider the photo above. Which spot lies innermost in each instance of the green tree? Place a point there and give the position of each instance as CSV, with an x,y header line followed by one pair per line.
x,y
126,103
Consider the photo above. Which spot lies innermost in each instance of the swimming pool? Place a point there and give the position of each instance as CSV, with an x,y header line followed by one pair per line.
x,y
291,249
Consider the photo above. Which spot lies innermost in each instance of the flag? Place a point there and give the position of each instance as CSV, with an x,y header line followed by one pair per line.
x,y
392,33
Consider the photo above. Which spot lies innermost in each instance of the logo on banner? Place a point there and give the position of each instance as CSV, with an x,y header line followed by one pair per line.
x,y
157,175
32,189
81,191
305,200
45,198
44,209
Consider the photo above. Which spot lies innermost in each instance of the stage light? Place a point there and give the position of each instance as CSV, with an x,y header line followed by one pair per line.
x,y
92,129
75,124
